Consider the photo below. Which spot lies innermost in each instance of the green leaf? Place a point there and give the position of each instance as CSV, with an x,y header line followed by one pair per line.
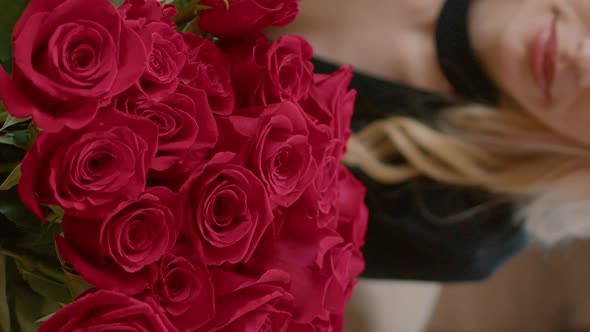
x,y
76,284
117,3
15,211
40,241
21,138
8,140
226,3
30,308
56,214
44,319
3,112
43,284
12,179
4,307
9,15
27,307
11,121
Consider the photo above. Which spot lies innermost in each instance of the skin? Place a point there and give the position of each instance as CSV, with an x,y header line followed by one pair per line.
x,y
394,39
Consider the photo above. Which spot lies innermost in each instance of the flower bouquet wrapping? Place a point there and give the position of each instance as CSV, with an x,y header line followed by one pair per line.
x,y
167,167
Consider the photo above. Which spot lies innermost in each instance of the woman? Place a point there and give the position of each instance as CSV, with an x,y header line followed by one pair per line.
x,y
527,60
517,71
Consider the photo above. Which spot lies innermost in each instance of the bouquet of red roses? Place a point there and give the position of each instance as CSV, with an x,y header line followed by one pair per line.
x,y
167,167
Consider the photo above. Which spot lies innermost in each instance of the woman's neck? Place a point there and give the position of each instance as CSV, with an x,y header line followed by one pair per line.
x,y
391,39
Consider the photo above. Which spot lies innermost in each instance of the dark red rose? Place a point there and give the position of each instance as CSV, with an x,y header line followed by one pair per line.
x,y
330,103
89,171
148,11
257,304
278,149
185,125
354,214
117,252
274,72
104,310
184,292
227,211
165,61
69,59
245,16
208,70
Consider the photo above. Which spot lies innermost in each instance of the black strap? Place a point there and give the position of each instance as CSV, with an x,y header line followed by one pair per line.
x,y
456,56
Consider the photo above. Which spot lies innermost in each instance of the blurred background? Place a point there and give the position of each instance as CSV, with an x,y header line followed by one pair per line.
x,y
540,290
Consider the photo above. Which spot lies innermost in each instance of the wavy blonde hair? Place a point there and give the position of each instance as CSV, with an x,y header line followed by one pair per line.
x,y
502,150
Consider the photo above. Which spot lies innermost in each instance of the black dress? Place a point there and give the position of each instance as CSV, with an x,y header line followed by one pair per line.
x,y
407,236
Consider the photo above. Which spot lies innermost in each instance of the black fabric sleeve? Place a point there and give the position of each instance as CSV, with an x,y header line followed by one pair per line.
x,y
413,233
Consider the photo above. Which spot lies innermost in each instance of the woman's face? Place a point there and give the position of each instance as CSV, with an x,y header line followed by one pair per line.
x,y
538,53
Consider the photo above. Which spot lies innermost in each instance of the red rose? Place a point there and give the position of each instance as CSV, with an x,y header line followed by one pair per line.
x,y
274,72
88,172
104,310
208,70
323,269
148,11
227,211
69,59
117,251
185,123
184,292
331,323
245,16
165,61
278,149
251,304
354,214
319,202
330,103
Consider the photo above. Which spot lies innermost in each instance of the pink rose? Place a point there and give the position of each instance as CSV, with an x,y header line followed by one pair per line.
x,y
148,11
185,123
274,72
165,61
330,103
278,149
227,211
88,172
69,60
245,16
104,310
184,292
251,304
117,252
208,70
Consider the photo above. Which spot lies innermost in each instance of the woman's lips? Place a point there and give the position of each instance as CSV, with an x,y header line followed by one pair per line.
x,y
543,57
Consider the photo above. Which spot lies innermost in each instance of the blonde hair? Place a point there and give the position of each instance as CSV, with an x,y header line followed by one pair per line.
x,y
502,150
